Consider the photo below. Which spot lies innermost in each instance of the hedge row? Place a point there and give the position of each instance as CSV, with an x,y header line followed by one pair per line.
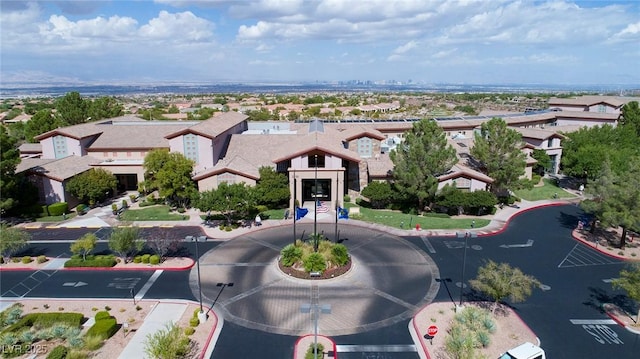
x,y
58,209
44,320
104,328
97,261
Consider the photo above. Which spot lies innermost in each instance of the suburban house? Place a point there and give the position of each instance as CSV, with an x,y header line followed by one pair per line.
x,y
343,156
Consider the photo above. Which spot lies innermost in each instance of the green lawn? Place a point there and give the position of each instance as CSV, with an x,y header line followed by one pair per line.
x,y
155,213
274,214
406,221
55,218
544,192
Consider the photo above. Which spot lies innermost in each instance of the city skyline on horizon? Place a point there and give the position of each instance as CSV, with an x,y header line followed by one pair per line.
x,y
298,41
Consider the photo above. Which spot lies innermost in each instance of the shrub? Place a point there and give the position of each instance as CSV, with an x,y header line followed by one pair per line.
x,y
45,320
189,330
98,261
104,328
154,259
310,354
26,260
1,260
27,336
194,321
170,342
340,254
261,208
145,258
42,259
346,198
107,308
93,342
58,209
114,208
290,254
137,259
15,259
59,352
81,209
314,262
125,204
102,315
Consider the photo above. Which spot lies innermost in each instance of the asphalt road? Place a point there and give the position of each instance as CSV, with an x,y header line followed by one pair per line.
x,y
566,313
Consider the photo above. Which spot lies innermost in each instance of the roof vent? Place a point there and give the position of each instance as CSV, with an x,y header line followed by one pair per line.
x,y
316,125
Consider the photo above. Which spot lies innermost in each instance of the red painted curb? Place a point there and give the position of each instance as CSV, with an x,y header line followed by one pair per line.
x,y
215,326
424,346
598,249
420,337
508,220
295,346
18,269
147,268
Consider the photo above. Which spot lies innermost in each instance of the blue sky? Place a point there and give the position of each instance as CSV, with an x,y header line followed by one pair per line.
x,y
429,41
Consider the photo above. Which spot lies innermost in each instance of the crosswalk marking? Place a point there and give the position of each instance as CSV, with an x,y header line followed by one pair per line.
x,y
399,348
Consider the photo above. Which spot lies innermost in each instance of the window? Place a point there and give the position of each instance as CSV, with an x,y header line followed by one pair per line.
x,y
311,161
227,177
602,108
462,182
60,146
190,143
364,147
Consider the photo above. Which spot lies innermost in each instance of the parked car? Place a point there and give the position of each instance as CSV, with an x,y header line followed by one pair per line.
x,y
524,351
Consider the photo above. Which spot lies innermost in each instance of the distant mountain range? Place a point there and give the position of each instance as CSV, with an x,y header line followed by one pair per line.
x,y
55,90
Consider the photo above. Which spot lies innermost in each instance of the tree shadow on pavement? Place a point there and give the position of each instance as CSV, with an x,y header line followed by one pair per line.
x,y
569,221
599,296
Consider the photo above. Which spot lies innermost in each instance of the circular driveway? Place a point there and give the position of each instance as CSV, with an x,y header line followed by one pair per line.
x,y
389,281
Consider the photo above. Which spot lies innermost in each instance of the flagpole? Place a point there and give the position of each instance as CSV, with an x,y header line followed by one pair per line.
x,y
295,207
315,196
337,212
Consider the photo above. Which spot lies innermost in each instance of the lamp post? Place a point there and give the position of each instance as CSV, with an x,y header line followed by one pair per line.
x,y
315,310
222,286
466,236
197,239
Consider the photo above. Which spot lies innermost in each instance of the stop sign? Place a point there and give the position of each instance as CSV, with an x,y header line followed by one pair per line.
x,y
432,330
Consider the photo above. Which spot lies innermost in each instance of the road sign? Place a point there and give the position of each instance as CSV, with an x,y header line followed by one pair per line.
x,y
432,330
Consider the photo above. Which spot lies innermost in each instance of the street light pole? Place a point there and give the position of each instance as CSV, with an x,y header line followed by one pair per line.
x,y
466,236
315,310
196,239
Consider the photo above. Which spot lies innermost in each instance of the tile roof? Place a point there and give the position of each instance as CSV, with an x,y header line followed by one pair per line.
x,y
58,169
136,135
586,101
214,126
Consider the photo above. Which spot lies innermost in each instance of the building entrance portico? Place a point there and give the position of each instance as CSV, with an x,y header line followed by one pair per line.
x,y
320,193
330,186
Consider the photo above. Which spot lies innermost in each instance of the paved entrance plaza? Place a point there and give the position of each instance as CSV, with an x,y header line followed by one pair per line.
x,y
390,281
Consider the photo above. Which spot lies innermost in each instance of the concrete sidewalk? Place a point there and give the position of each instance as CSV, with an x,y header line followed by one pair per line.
x,y
162,315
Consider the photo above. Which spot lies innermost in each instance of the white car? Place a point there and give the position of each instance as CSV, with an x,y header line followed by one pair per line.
x,y
524,351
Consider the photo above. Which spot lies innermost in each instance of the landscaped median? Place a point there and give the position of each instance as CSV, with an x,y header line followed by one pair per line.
x,y
107,263
304,347
478,330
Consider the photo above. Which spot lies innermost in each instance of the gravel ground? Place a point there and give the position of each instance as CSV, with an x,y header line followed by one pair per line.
x,y
123,311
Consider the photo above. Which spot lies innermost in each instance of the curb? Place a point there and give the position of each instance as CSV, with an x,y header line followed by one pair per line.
x,y
295,346
587,243
207,343
522,210
420,335
147,268
618,321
